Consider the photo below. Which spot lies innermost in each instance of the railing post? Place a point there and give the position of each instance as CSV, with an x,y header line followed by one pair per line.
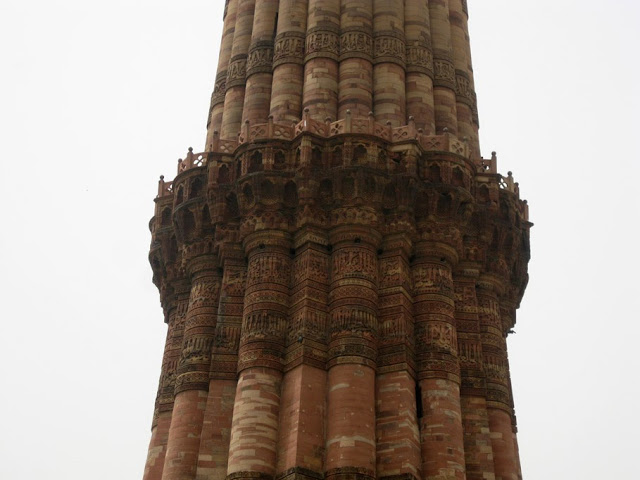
x,y
305,120
412,127
216,141
270,126
161,186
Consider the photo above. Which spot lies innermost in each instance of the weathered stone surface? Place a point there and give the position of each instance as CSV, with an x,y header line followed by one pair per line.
x,y
339,269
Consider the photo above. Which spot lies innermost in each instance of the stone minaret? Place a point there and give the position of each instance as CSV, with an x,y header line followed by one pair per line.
x,y
340,268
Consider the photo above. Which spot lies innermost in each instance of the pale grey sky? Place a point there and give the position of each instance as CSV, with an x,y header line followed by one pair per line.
x,y
98,99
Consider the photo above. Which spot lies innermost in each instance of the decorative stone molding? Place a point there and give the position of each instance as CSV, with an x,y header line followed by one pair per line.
x,y
220,88
356,43
389,47
322,43
464,92
444,73
289,48
420,59
237,72
260,58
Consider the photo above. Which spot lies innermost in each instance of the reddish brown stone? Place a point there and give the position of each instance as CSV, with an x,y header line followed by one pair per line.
x,y
302,440
340,268
184,435
157,447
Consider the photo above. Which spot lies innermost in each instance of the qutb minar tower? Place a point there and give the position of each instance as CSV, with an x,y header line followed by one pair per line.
x,y
340,268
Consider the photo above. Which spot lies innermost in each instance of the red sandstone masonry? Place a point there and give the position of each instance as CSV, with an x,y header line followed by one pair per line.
x,y
322,50
177,308
224,360
498,389
397,429
351,420
441,429
398,437
477,441
503,445
444,72
438,368
237,71
288,62
517,455
329,258
255,422
217,97
419,87
260,63
193,369
302,419
216,431
254,432
157,447
164,399
478,445
302,431
351,445
463,73
184,436
389,52
355,84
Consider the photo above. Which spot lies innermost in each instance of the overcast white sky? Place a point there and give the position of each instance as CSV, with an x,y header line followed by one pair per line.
x,y
97,99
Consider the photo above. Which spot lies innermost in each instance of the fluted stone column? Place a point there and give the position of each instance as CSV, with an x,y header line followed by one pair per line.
x,y
438,368
157,447
320,89
508,317
475,142
464,75
353,307
444,82
216,109
254,431
303,406
237,71
477,439
337,321
419,81
288,61
389,52
355,84
192,381
176,311
216,429
494,351
517,450
224,363
260,63
503,445
397,430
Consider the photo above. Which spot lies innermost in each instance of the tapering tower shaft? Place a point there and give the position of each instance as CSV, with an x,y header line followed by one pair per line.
x,y
340,269
399,59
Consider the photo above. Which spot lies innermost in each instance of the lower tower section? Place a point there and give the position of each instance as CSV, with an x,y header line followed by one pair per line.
x,y
340,269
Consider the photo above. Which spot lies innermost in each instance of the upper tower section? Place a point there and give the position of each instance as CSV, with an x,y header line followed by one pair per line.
x,y
326,111
395,63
